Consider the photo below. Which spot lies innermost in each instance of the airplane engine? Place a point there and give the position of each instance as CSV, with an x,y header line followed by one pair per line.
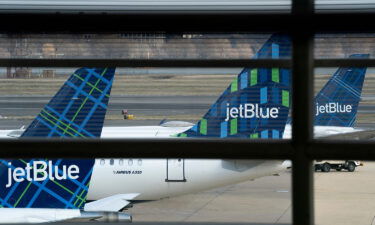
x,y
109,217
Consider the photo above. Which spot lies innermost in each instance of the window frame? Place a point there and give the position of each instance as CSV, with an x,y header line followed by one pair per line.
x,y
302,149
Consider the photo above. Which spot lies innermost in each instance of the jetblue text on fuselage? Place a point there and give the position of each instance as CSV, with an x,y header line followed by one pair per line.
x,y
332,107
249,110
40,171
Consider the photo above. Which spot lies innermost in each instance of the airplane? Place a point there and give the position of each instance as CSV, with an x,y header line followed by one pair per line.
x,y
335,105
49,190
42,190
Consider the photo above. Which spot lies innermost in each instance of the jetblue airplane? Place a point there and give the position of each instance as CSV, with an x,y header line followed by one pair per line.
x,y
48,190
255,105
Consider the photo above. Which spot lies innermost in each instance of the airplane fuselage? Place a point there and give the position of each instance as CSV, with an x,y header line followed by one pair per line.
x,y
160,178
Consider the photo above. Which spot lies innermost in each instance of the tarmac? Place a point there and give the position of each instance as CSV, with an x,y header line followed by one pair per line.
x,y
340,198
17,111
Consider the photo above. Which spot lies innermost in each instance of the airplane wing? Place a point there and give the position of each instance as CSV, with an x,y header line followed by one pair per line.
x,y
113,203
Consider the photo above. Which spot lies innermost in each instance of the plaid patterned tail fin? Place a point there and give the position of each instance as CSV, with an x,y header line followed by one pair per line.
x,y
337,103
256,103
78,109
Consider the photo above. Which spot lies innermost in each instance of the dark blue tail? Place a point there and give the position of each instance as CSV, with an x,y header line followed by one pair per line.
x,y
337,103
256,103
76,111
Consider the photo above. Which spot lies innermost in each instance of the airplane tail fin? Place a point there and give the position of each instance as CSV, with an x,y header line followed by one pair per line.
x,y
256,103
337,103
77,110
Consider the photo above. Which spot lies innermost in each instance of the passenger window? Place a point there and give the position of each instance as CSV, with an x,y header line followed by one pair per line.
x,y
102,162
130,162
111,162
121,162
139,162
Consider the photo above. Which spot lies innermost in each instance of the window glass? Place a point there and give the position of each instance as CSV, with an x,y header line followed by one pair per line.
x,y
141,45
344,103
121,6
344,6
248,103
344,45
343,192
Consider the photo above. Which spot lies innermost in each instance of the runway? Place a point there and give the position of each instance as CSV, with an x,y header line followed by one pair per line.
x,y
147,109
19,110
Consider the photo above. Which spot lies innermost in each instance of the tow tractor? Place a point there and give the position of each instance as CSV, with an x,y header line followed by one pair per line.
x,y
327,165
126,115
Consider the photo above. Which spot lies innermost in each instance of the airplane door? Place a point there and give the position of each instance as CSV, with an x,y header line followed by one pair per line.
x,y
175,170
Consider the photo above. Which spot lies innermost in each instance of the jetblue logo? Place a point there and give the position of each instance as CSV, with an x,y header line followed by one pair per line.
x,y
40,171
249,110
332,107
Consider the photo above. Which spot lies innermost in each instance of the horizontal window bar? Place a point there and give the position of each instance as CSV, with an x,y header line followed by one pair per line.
x,y
329,149
349,62
180,62
147,148
144,63
218,21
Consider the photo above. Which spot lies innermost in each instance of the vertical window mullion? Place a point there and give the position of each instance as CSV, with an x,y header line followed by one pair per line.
x,y
302,131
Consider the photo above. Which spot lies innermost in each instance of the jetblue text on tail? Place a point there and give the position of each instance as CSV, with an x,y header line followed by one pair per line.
x,y
250,110
40,171
333,107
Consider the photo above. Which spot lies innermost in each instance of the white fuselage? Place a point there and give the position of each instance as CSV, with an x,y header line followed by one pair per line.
x,y
131,175
166,132
159,178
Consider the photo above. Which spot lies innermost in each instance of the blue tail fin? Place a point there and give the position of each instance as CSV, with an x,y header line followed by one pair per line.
x,y
337,103
77,110
256,103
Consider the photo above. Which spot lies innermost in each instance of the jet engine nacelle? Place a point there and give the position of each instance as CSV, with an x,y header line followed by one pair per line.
x,y
109,217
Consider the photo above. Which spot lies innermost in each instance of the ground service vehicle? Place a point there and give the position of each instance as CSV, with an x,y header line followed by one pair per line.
x,y
327,165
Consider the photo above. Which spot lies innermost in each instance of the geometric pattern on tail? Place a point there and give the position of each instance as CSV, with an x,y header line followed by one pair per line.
x,y
51,184
76,111
337,103
255,104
